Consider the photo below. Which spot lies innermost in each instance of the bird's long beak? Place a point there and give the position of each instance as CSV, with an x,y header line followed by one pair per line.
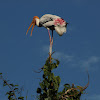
x,y
32,23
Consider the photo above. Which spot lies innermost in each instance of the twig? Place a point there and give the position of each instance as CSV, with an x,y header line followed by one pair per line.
x,y
9,86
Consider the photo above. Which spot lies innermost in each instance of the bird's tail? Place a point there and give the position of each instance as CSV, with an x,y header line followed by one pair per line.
x,y
60,30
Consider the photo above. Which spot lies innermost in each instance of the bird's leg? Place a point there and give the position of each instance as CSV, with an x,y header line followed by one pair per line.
x,y
49,35
52,38
50,49
51,44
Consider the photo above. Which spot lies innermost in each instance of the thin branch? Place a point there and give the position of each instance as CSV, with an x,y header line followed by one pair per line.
x,y
9,86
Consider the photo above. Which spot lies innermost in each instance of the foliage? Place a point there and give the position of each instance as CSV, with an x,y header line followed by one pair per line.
x,y
50,84
13,90
48,89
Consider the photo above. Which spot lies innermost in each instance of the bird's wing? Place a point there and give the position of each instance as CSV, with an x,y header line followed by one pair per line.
x,y
47,18
48,24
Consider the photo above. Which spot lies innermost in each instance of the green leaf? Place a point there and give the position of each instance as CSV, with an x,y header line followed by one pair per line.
x,y
57,62
46,99
4,83
68,85
58,79
0,73
38,90
53,66
9,97
7,93
15,88
11,85
21,98
16,85
80,87
26,97
42,85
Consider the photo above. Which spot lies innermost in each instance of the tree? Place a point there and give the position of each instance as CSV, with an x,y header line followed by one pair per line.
x,y
49,86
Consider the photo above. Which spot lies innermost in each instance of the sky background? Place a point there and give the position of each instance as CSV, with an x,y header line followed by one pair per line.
x,y
77,50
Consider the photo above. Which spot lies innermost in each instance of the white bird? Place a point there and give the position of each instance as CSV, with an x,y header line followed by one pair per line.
x,y
51,22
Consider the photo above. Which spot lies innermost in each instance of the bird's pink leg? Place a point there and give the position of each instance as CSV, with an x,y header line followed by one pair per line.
x,y
52,38
49,35
50,49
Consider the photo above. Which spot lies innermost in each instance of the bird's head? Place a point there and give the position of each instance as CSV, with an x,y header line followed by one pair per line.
x,y
34,22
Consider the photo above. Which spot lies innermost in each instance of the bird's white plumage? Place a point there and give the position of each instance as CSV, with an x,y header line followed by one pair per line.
x,y
48,20
60,30
37,22
47,17
51,22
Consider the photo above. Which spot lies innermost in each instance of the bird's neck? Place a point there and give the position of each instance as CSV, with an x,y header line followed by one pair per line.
x,y
37,22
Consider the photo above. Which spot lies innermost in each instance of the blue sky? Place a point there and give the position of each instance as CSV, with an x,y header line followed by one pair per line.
x,y
77,50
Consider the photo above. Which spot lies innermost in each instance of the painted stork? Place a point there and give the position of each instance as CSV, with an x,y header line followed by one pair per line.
x,y
51,22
